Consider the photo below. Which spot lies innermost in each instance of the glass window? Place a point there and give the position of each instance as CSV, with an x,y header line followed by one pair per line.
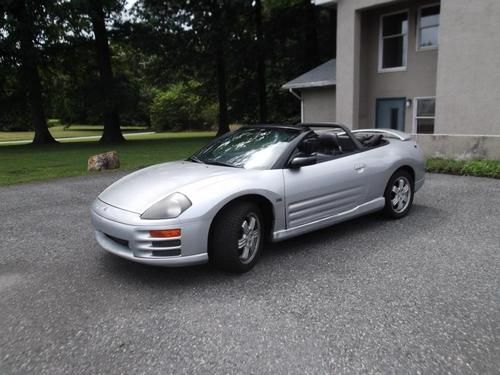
x,y
249,148
428,27
425,115
394,41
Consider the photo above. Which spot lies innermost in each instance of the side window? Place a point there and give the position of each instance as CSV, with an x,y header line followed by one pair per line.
x,y
325,146
425,115
428,27
393,42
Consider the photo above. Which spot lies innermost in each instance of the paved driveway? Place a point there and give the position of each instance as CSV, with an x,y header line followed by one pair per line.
x,y
419,294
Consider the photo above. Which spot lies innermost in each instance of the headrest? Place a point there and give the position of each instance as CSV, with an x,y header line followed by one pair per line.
x,y
329,140
309,145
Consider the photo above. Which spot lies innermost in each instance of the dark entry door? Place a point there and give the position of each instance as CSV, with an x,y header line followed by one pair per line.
x,y
391,113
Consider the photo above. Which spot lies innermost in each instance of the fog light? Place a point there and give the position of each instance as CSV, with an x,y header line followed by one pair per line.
x,y
165,233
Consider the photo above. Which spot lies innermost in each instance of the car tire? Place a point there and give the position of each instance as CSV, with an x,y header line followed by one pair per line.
x,y
399,195
236,238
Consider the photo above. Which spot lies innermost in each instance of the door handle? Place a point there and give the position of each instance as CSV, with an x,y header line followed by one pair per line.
x,y
359,167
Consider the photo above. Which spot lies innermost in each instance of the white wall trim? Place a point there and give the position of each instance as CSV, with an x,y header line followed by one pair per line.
x,y
302,110
458,135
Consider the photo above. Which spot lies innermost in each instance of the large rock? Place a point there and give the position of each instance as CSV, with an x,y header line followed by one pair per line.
x,y
108,160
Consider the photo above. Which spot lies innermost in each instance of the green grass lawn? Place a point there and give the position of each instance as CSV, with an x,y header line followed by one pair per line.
x,y
60,132
24,163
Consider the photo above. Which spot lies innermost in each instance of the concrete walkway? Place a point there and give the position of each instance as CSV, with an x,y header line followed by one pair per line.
x,y
90,137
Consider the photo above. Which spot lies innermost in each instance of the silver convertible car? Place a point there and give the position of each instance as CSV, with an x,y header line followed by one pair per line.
x,y
259,182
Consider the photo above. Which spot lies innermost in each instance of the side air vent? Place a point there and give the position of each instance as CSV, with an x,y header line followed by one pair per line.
x,y
117,240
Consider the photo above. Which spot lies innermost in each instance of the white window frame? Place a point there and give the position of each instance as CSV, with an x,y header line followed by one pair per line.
x,y
415,117
417,30
381,43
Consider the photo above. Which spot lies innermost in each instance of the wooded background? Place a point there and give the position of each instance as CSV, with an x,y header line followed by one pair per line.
x,y
169,65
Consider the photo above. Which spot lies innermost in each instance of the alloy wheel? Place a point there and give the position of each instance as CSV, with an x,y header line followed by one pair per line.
x,y
400,194
249,242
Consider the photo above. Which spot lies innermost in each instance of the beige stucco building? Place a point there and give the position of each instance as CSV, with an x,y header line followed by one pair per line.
x,y
427,67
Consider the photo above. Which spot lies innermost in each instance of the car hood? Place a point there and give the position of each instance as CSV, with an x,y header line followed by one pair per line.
x,y
137,191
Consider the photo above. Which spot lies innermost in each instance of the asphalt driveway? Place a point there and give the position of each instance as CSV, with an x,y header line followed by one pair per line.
x,y
417,295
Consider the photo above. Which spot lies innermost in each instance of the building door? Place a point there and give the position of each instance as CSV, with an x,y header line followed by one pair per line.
x,y
390,113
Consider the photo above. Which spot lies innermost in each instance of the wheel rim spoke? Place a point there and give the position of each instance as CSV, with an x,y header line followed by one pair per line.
x,y
241,243
251,227
246,252
395,201
400,205
244,226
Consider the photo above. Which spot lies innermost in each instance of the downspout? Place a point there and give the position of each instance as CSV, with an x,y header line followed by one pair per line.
x,y
301,103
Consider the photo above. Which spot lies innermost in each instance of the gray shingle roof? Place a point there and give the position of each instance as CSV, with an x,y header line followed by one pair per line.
x,y
321,76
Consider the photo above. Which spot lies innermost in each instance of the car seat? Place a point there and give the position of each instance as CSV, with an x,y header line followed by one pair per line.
x,y
329,143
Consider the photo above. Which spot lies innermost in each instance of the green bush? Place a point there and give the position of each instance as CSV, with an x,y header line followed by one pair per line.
x,y
480,168
181,107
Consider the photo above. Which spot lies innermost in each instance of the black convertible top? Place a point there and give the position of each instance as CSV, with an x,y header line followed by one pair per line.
x,y
304,126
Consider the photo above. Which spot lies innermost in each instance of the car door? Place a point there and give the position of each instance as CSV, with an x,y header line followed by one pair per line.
x,y
324,189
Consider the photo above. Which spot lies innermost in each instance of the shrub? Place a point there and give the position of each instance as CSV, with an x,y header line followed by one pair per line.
x,y
181,107
480,168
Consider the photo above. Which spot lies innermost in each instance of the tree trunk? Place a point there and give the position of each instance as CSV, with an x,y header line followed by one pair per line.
x,y
261,63
220,62
311,44
333,32
112,132
220,69
31,76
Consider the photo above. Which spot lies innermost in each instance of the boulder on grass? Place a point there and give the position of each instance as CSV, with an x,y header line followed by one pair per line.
x,y
108,160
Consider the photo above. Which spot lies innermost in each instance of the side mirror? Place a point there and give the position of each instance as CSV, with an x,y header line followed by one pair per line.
x,y
302,161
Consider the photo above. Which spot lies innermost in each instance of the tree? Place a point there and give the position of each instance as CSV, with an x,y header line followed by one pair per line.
x,y
22,15
112,131
219,36
194,37
261,63
311,50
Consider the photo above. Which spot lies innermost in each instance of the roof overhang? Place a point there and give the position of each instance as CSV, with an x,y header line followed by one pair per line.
x,y
309,85
324,75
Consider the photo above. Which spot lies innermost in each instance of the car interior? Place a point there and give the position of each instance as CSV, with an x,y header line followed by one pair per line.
x,y
328,145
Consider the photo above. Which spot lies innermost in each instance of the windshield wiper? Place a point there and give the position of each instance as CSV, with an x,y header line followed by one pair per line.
x,y
195,159
216,162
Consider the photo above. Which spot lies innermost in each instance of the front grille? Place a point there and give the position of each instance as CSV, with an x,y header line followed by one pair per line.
x,y
117,240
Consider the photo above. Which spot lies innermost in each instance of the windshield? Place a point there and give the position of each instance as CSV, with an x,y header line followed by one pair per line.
x,y
249,148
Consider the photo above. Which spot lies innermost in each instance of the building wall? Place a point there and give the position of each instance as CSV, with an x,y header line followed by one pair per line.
x,y
318,104
467,75
459,147
348,57
419,78
468,84
467,81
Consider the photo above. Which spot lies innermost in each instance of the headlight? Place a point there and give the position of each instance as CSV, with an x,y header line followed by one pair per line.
x,y
168,208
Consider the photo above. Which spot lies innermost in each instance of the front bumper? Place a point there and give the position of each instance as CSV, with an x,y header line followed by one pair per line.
x,y
126,235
